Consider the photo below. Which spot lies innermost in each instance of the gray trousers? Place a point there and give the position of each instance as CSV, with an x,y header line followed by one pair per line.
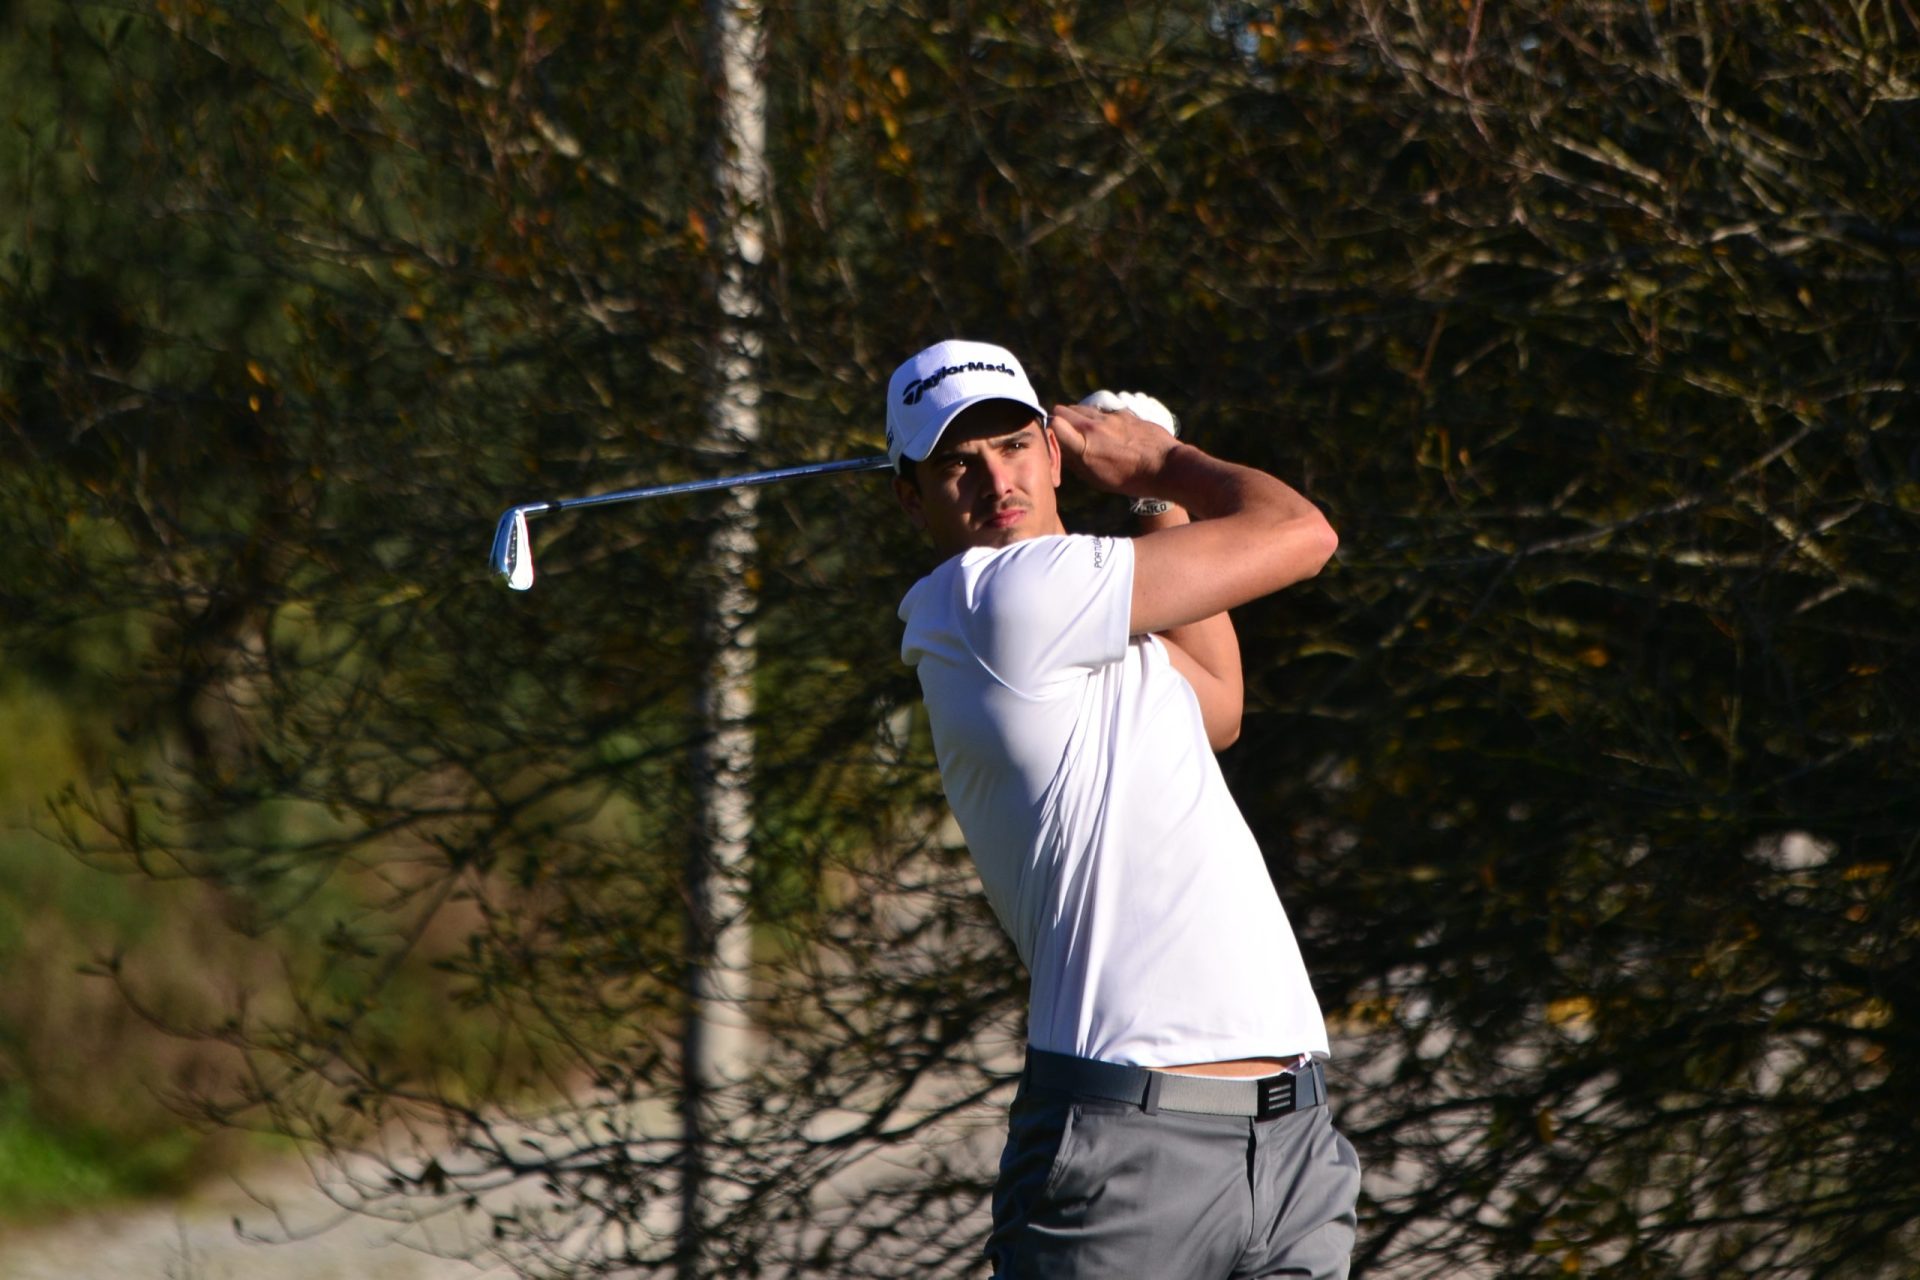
x,y
1093,1188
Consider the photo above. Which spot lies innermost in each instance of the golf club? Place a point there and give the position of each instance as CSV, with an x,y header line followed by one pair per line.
x,y
513,553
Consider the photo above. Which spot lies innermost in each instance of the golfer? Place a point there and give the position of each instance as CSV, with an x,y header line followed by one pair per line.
x,y
1171,1121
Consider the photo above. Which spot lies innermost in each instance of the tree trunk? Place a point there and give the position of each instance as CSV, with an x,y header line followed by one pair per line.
x,y
719,939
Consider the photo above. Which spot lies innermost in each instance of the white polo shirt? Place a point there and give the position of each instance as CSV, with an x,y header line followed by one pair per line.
x,y
1077,764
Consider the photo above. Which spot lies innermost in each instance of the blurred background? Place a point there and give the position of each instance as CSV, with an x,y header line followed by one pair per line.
x,y
616,928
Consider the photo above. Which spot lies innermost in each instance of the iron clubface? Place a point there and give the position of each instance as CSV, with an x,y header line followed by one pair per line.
x,y
513,550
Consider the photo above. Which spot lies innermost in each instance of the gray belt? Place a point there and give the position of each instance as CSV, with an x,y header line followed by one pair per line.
x,y
1262,1098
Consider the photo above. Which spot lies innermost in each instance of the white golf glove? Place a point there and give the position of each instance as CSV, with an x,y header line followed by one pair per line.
x,y
1148,409
1139,403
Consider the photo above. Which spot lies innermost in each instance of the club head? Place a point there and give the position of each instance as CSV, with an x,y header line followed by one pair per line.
x,y
513,550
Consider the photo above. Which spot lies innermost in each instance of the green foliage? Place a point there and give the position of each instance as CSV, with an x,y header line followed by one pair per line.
x,y
87,1089
45,1170
39,1171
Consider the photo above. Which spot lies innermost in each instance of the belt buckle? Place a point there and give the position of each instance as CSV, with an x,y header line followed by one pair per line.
x,y
1274,1096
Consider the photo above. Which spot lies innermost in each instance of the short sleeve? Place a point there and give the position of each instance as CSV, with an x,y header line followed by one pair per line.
x,y
1048,609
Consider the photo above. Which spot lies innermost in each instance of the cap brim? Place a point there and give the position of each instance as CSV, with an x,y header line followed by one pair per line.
x,y
917,451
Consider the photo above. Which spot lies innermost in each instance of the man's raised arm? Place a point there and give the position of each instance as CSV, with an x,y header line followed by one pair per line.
x,y
1251,534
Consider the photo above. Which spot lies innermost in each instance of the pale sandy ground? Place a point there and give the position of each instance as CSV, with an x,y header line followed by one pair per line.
x,y
291,1231
196,1240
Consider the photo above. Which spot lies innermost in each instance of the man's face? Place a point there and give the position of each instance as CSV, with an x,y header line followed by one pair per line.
x,y
988,483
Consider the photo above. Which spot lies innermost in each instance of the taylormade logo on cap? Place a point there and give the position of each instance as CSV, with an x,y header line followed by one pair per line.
x,y
929,391
920,387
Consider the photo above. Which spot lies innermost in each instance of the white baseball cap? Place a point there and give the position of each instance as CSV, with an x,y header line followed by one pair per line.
x,y
929,391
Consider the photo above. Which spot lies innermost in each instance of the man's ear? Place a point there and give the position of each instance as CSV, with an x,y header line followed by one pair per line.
x,y
1053,450
908,494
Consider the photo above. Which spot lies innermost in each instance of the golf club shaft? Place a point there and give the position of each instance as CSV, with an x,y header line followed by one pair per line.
x,y
878,462
512,558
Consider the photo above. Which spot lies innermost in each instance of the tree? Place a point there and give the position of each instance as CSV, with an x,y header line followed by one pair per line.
x,y
717,1039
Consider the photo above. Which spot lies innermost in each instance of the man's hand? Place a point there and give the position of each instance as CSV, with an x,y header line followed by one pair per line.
x,y
1145,406
1117,451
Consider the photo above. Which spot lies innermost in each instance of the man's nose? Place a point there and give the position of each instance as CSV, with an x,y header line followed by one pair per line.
x,y
999,475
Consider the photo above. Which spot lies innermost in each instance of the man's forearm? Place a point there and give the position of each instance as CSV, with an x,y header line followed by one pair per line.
x,y
1212,488
1253,534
